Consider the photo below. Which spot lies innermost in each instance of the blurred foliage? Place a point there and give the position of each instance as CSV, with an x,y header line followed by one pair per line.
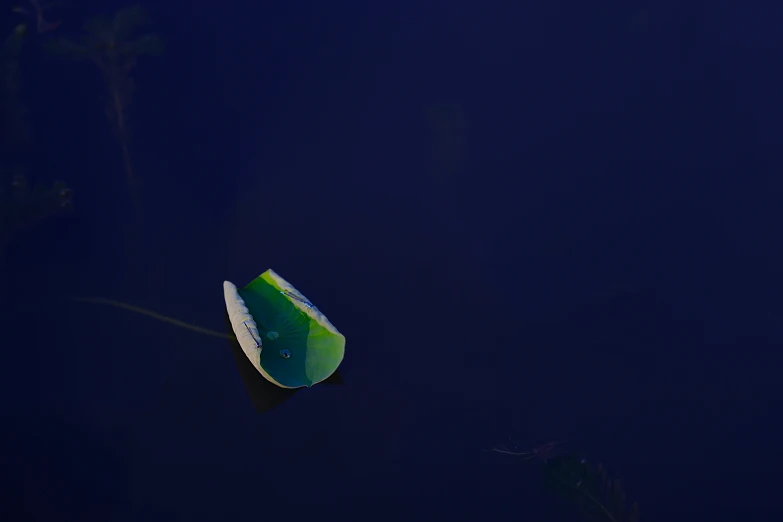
x,y
109,43
22,206
112,45
16,130
35,10
600,497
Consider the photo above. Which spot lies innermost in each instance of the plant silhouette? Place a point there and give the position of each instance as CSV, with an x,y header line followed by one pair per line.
x,y
37,10
22,207
113,46
599,496
16,128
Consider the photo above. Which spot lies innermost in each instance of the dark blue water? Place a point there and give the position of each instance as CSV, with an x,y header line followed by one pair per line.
x,y
533,224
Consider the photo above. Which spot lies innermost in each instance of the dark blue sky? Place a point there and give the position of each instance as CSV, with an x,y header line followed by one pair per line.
x,y
554,222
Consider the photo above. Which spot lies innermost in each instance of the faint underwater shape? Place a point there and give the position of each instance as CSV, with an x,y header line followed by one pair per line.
x,y
37,11
598,496
108,44
15,126
22,207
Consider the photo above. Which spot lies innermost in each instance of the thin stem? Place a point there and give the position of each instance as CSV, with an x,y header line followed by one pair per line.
x,y
154,315
591,497
528,454
119,112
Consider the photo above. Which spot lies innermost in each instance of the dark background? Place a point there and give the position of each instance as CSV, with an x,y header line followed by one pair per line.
x,y
556,221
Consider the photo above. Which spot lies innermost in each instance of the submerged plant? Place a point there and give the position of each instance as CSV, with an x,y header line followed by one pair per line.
x,y
16,129
22,206
37,10
112,45
599,496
